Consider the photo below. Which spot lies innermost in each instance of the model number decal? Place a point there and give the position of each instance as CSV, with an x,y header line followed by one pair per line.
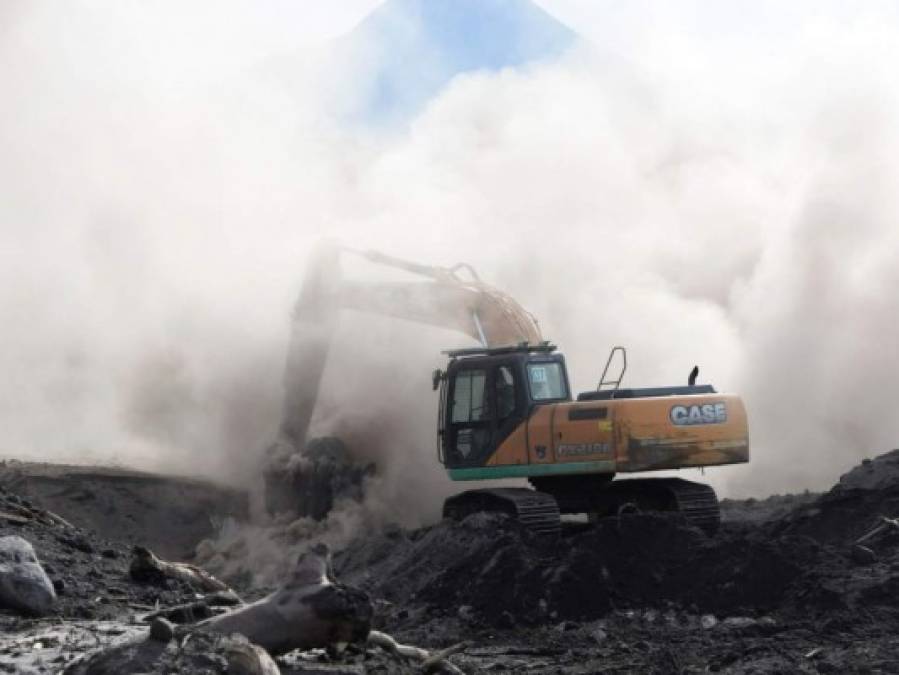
x,y
708,413
579,449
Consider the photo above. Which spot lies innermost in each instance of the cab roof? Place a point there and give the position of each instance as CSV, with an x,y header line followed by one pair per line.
x,y
521,348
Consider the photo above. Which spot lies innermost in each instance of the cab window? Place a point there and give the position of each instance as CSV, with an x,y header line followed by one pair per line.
x,y
546,381
468,396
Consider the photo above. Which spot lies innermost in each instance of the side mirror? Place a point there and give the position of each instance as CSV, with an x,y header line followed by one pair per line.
x,y
436,377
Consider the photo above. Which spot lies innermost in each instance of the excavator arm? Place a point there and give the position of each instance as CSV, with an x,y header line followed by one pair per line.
x,y
446,299
449,301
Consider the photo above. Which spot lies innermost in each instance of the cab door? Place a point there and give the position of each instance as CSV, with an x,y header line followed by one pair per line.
x,y
511,409
469,420
486,412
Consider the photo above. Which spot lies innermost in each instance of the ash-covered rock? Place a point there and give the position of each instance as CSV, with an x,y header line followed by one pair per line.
x,y
24,584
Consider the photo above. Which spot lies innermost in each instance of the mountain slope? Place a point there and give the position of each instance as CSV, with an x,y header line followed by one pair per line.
x,y
406,51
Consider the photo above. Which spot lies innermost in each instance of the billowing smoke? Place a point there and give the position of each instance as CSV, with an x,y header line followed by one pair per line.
x,y
699,207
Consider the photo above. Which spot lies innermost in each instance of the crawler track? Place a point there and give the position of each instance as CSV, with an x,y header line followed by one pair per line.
x,y
696,502
537,511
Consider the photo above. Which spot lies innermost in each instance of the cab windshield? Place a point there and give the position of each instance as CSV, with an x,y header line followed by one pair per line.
x,y
546,381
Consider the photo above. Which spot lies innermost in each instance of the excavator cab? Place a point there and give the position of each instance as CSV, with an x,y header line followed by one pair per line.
x,y
486,394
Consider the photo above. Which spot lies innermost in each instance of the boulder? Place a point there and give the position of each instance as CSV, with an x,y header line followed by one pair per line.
x,y
24,585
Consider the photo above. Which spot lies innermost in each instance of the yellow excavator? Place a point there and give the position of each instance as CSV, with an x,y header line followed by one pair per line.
x,y
506,409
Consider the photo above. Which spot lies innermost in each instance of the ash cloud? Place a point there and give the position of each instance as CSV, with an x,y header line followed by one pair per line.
x,y
715,207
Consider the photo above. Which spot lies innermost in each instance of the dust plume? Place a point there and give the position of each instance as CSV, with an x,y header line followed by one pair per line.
x,y
161,189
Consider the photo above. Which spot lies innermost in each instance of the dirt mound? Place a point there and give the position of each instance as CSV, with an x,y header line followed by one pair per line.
x,y
756,511
790,555
504,574
850,508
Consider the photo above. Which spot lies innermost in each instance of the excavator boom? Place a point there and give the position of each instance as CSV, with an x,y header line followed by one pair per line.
x,y
446,300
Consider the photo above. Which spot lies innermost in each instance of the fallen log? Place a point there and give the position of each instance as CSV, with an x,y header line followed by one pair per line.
x,y
20,514
430,663
437,661
309,611
191,612
250,659
885,524
14,518
147,568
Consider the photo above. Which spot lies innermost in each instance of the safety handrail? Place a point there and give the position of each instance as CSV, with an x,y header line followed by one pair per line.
x,y
605,371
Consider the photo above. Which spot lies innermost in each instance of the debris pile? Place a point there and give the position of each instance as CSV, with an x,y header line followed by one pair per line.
x,y
89,575
805,561
309,611
853,506
109,608
505,575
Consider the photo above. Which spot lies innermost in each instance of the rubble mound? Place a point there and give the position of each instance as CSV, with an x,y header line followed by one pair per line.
x,y
756,511
795,556
853,506
504,574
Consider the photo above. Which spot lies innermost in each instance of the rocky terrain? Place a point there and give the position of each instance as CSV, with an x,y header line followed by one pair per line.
x,y
796,583
169,514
